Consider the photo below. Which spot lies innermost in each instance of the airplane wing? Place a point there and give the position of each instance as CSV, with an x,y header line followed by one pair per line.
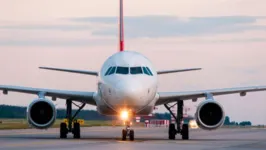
x,y
167,97
94,73
177,70
85,97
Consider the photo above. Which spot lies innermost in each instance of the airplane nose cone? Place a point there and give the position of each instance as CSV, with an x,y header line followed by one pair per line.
x,y
130,92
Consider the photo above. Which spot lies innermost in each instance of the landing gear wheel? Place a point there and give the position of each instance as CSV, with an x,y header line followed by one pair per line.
x,y
76,130
185,132
124,134
172,131
63,131
131,135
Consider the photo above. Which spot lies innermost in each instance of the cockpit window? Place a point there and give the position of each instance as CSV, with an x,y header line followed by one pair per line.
x,y
108,71
122,70
149,71
145,71
112,71
127,70
135,70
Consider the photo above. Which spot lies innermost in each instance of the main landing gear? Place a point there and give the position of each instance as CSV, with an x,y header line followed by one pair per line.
x,y
66,128
184,131
127,132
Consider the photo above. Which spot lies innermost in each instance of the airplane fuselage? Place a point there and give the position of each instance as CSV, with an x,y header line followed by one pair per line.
x,y
127,80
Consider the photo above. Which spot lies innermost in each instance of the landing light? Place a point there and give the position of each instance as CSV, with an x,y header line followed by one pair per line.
x,y
124,115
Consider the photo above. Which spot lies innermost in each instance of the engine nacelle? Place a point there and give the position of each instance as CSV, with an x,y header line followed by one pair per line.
x,y
41,113
210,115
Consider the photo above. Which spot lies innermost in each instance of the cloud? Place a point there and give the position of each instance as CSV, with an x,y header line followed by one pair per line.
x,y
88,31
230,40
47,27
56,42
171,26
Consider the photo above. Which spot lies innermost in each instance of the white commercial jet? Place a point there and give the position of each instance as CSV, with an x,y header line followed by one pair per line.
x,y
127,86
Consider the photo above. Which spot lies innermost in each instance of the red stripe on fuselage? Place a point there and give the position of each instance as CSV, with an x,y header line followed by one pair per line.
x,y
121,45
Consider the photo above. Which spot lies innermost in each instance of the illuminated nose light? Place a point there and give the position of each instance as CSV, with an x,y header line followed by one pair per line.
x,y
124,115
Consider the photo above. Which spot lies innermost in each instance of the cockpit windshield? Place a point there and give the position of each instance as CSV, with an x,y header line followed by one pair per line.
x,y
145,71
128,70
107,72
149,71
112,71
122,70
135,70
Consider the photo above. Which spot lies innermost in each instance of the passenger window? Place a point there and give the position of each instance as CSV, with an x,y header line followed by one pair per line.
x,y
149,71
108,71
122,70
135,70
145,71
112,71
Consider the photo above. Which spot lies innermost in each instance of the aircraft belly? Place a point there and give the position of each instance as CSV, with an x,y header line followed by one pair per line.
x,y
140,110
106,108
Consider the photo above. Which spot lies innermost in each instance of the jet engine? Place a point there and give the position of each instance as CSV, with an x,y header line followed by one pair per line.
x,y
210,115
41,113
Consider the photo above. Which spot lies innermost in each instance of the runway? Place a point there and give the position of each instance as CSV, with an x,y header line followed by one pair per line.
x,y
103,138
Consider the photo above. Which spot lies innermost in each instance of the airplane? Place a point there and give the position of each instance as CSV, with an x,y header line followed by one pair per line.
x,y
127,87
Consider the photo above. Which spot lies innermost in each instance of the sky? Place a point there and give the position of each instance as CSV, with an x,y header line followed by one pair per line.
x,y
227,38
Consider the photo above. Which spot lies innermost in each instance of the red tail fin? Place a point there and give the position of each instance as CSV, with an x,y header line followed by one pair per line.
x,y
121,27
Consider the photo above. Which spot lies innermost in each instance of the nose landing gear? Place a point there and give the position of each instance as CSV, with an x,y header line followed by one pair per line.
x,y
128,132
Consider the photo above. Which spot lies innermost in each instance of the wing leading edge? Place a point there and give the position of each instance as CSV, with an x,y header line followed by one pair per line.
x,y
94,73
167,97
85,97
177,70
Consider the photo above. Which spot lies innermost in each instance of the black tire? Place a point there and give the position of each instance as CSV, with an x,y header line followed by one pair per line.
x,y
185,132
131,135
63,131
171,131
76,130
124,134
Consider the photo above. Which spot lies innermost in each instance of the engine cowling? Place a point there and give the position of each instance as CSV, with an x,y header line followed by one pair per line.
x,y
210,115
41,113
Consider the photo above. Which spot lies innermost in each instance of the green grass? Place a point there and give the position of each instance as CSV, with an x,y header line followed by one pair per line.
x,y
234,126
23,124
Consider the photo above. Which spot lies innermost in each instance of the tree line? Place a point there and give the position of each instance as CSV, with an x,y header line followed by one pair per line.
x,y
242,123
7,111
16,112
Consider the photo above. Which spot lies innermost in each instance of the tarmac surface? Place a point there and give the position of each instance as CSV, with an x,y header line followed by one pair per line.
x,y
109,138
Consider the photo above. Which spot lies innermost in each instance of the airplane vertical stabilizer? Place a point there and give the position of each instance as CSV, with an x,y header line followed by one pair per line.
x,y
121,27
